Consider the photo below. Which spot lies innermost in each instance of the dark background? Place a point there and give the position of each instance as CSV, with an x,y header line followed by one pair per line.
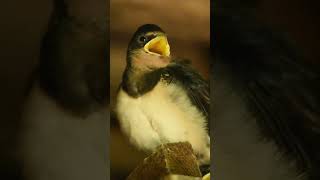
x,y
22,24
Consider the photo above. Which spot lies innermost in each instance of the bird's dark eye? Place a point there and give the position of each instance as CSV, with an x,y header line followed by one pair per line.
x,y
143,39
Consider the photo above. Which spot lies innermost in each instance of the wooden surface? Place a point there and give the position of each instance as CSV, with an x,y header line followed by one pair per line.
x,y
168,161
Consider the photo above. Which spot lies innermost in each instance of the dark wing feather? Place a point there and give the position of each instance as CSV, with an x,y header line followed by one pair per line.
x,y
180,71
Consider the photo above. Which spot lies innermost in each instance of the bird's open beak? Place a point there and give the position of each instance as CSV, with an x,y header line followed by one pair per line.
x,y
158,46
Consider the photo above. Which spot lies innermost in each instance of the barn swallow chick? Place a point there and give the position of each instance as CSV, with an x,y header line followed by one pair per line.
x,y
162,99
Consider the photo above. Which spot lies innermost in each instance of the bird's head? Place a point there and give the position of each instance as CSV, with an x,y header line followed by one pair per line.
x,y
149,48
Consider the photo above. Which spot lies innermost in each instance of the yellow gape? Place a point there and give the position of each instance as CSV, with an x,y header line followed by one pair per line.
x,y
158,46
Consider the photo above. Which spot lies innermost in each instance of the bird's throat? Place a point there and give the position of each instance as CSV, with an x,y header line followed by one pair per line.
x,y
136,82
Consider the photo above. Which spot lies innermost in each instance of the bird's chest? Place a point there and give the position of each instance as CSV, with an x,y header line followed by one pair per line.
x,y
157,108
162,115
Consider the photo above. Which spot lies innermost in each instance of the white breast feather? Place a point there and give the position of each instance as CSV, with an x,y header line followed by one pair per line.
x,y
163,115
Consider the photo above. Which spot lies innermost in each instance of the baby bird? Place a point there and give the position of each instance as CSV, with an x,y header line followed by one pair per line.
x,y
162,99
